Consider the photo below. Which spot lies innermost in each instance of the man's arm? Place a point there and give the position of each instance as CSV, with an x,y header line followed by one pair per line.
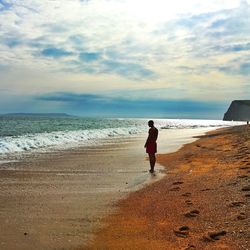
x,y
146,144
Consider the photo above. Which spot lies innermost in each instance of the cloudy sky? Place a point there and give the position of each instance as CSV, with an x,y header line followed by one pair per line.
x,y
161,58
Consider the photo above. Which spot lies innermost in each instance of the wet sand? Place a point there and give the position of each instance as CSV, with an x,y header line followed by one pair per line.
x,y
201,203
58,200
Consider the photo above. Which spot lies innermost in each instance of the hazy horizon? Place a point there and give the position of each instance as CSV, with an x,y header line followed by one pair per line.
x,y
115,116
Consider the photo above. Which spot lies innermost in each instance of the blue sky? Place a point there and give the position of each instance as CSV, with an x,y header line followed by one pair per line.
x,y
136,58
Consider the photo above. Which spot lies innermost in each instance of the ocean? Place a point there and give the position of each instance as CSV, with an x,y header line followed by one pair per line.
x,y
31,133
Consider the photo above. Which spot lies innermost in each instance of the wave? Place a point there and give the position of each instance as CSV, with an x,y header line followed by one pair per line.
x,y
63,139
190,123
67,139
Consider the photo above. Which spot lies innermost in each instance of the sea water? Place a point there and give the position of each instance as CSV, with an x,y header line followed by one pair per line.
x,y
29,133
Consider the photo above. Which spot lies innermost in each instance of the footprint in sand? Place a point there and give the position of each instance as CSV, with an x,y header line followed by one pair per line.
x,y
244,161
244,167
243,176
190,247
177,182
175,189
213,236
186,194
232,183
189,202
182,232
237,157
243,149
193,213
237,204
242,216
245,189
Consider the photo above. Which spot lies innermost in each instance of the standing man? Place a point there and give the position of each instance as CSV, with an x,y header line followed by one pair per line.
x,y
150,145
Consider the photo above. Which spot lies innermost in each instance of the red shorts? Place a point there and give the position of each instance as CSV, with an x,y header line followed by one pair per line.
x,y
151,147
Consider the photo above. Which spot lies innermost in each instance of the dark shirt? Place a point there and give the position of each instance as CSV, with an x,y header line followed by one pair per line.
x,y
153,134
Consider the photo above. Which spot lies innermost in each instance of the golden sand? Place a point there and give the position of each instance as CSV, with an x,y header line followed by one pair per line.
x,y
202,203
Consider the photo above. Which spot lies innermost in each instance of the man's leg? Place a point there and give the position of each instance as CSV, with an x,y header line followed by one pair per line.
x,y
152,161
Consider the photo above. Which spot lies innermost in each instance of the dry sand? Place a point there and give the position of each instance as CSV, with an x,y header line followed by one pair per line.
x,y
202,203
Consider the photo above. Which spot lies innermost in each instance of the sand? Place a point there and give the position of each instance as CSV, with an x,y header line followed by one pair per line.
x,y
201,203
57,200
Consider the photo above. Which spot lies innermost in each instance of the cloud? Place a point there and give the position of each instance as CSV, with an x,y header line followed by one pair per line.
x,y
129,70
238,47
112,62
245,68
214,33
11,40
56,53
89,56
239,66
78,41
3,67
89,104
71,98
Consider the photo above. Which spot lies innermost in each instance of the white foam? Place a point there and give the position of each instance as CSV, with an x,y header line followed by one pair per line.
x,y
191,123
61,139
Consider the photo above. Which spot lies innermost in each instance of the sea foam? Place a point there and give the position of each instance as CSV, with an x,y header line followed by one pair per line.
x,y
60,139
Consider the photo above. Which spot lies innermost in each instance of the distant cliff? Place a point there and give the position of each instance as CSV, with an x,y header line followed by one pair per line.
x,y
239,110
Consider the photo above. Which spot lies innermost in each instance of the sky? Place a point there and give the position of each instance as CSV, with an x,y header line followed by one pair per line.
x,y
124,58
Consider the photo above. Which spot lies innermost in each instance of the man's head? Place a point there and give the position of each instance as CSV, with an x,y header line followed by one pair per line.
x,y
150,123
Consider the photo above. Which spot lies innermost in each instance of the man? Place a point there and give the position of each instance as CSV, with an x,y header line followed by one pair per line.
x,y
150,145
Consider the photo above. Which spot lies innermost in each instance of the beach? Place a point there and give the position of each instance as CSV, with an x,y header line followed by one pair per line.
x,y
124,125
59,199
201,203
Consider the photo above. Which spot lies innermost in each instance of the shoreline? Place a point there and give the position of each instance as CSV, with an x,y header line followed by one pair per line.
x,y
201,203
